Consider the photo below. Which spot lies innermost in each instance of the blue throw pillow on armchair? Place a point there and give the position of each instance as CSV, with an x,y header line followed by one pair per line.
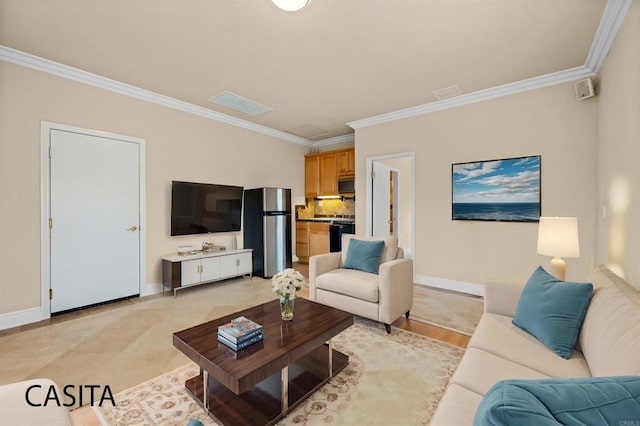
x,y
553,310
364,255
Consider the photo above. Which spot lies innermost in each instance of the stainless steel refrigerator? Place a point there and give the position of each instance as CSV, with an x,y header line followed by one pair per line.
x,y
267,229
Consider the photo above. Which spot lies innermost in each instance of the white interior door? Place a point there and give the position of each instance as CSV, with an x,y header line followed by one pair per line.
x,y
380,200
95,212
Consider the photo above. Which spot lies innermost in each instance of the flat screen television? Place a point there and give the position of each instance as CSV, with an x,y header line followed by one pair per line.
x,y
503,190
202,208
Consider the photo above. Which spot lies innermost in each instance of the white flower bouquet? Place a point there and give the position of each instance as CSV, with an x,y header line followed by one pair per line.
x,y
287,283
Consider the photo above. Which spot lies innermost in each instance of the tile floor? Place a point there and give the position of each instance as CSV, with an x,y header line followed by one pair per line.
x,y
128,342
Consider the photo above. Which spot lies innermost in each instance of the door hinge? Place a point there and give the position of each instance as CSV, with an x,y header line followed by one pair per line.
x,y
50,294
50,223
50,154
373,174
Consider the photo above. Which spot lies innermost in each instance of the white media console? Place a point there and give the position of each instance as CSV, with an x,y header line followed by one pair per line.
x,y
179,272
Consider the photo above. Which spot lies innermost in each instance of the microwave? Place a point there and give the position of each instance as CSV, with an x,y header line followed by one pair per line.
x,y
347,186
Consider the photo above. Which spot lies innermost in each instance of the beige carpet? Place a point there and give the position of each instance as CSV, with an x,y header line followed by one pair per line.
x,y
391,379
453,311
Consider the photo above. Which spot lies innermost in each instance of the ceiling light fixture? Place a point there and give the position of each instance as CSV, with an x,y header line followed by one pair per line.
x,y
290,5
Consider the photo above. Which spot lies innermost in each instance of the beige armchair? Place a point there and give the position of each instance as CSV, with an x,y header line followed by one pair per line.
x,y
384,297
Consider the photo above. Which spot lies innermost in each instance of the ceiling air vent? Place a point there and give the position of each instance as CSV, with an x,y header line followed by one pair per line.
x,y
447,92
237,102
308,132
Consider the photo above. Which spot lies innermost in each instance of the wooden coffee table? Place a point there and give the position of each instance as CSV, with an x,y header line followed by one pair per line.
x,y
263,382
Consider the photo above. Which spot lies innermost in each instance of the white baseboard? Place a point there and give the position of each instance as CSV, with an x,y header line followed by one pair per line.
x,y
31,315
151,288
447,284
18,318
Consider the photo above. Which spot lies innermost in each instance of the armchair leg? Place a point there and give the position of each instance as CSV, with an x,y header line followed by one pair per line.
x,y
406,315
388,328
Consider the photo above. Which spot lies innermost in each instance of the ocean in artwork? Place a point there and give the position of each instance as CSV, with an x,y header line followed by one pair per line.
x,y
505,190
499,212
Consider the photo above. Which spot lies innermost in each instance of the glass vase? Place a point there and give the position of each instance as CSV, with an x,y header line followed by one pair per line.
x,y
286,308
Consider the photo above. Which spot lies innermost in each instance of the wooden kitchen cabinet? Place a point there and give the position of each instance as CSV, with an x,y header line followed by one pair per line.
x,y
311,238
346,163
328,174
318,238
321,171
302,241
312,175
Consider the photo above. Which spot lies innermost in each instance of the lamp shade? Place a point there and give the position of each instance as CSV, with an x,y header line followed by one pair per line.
x,y
558,237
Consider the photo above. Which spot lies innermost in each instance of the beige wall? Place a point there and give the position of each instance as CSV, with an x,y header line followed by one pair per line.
x,y
549,122
180,146
619,153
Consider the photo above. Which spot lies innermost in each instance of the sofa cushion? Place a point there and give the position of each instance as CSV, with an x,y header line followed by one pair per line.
x,y
350,282
480,370
606,400
457,407
610,335
496,334
389,252
364,255
358,307
553,310
15,410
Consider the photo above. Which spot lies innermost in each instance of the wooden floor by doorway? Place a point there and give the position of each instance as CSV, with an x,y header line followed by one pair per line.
x,y
429,330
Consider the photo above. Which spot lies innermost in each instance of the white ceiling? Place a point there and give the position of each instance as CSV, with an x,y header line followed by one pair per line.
x,y
334,62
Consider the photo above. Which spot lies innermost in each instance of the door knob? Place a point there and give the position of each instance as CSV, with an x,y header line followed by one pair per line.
x,y
133,228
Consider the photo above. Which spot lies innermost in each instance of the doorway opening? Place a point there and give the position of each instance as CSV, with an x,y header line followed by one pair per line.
x,y
390,203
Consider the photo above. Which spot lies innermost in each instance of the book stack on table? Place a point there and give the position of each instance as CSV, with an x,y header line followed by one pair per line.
x,y
240,333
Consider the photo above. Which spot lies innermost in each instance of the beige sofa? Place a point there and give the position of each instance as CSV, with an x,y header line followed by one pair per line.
x,y
384,297
16,410
608,345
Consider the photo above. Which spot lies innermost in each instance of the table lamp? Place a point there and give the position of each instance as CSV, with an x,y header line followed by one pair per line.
x,y
558,237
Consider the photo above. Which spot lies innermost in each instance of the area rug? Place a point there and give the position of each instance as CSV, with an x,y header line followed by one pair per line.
x,y
390,379
445,309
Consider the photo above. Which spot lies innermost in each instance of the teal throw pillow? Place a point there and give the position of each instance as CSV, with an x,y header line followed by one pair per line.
x,y
553,310
582,401
364,255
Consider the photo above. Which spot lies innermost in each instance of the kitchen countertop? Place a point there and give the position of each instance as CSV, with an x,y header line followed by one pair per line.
x,y
327,219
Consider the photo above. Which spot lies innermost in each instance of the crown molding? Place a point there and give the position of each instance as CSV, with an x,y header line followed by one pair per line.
x,y
610,23
332,141
481,95
24,59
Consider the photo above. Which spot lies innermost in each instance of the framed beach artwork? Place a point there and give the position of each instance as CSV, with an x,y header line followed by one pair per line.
x,y
505,190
